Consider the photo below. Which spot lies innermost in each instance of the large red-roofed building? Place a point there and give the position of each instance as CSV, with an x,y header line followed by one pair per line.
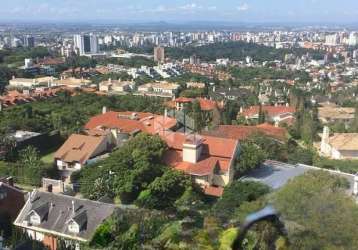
x,y
276,114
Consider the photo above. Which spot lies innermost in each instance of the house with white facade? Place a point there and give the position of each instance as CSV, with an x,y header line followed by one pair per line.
x,y
49,218
339,146
116,86
79,150
161,89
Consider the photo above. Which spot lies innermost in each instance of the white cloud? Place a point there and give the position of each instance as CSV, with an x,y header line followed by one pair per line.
x,y
243,7
190,6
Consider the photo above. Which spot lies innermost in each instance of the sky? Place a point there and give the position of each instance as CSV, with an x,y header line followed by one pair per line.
x,y
248,11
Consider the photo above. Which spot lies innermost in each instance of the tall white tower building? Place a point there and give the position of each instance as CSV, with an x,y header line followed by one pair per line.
x,y
86,44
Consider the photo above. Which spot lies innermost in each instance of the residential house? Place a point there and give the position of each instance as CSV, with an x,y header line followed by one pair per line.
x,y
116,86
243,132
208,160
72,82
31,82
334,114
15,97
12,199
205,104
79,150
339,146
275,114
49,217
160,89
129,123
229,93
195,85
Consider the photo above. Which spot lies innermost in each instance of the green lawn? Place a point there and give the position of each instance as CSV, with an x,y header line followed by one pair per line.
x,y
48,159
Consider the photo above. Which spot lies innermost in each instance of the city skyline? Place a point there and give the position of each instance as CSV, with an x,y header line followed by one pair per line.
x,y
246,11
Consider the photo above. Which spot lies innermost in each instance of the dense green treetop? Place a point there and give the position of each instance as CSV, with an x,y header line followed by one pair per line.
x,y
234,51
318,212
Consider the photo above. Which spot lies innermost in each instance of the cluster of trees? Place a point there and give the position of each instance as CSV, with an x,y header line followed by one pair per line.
x,y
5,75
27,168
64,113
68,114
306,124
258,147
79,62
233,50
18,55
254,73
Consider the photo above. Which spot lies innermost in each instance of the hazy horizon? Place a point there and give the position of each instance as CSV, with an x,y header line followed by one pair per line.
x,y
179,11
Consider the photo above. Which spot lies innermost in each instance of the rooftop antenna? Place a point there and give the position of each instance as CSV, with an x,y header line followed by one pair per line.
x,y
73,206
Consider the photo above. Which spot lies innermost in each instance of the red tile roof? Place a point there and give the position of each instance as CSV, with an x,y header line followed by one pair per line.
x,y
216,152
183,100
205,104
214,191
213,146
130,122
270,110
243,132
15,97
79,148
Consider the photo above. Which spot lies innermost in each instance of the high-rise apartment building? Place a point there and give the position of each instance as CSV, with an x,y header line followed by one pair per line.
x,y
86,44
159,55
353,39
332,39
29,41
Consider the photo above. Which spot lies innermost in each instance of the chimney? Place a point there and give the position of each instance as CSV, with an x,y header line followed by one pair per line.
x,y
325,135
355,187
10,181
241,110
287,104
109,80
13,77
104,109
325,148
192,147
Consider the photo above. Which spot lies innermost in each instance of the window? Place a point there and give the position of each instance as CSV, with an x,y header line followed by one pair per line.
x,y
35,219
73,227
